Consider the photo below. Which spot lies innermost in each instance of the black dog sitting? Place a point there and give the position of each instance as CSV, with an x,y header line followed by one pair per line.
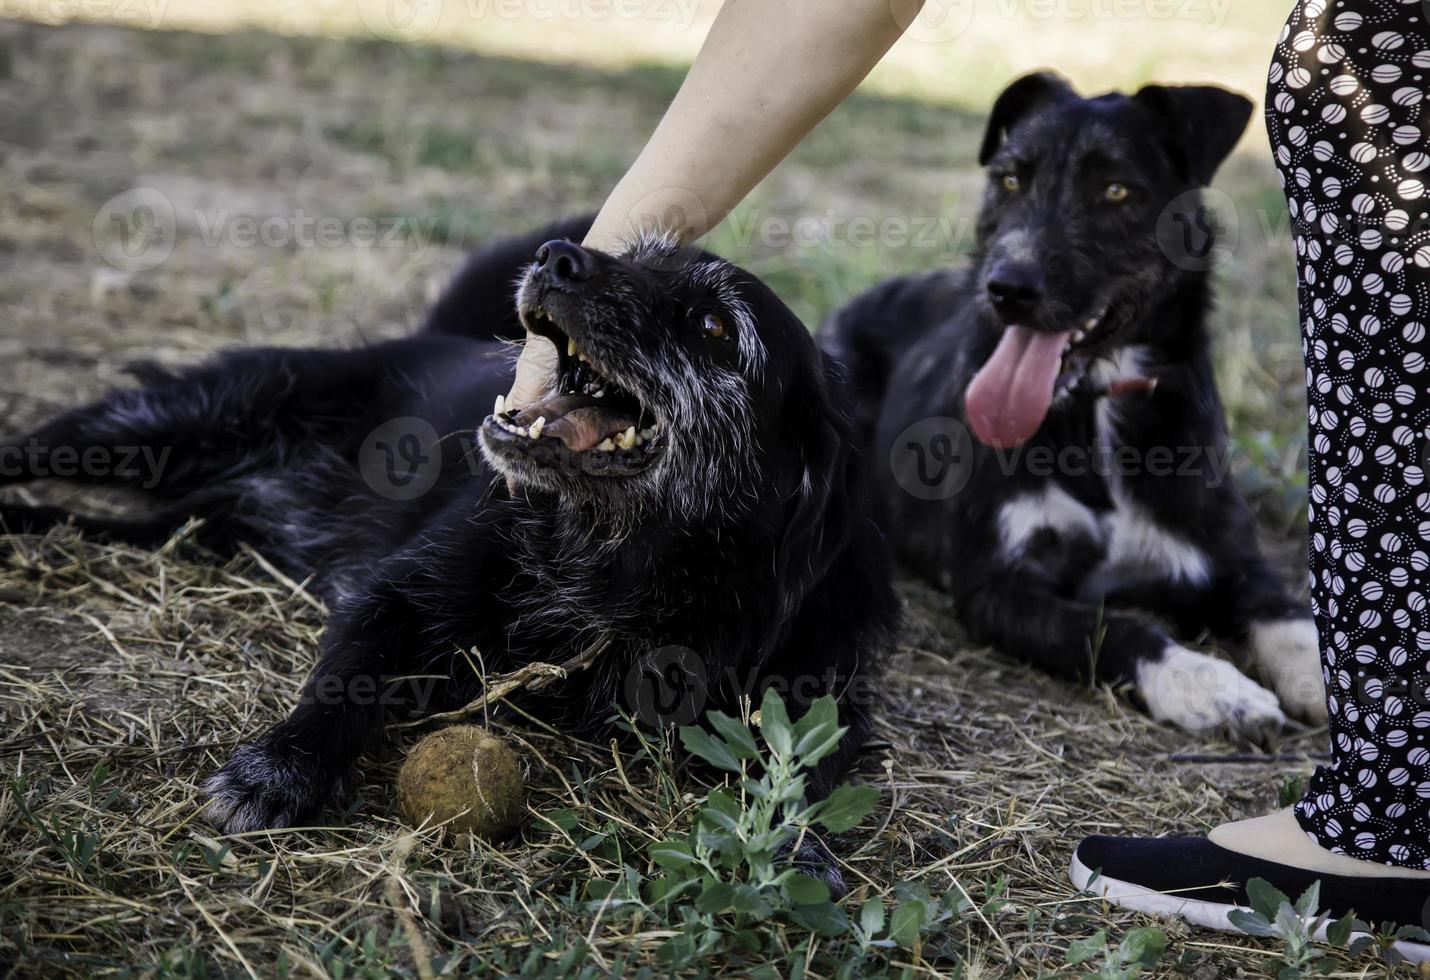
x,y
1045,430
685,492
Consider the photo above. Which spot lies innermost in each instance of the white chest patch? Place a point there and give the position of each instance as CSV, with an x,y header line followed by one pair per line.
x,y
1052,509
1140,549
1137,549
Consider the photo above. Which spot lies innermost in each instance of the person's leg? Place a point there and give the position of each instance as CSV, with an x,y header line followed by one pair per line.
x,y
1344,111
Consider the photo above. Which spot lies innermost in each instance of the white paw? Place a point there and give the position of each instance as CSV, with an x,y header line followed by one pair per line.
x,y
1200,693
1287,653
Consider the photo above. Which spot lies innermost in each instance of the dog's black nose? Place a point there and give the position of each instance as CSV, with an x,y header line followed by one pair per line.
x,y
1016,286
565,261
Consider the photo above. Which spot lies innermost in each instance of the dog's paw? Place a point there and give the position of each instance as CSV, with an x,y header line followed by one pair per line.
x,y
1288,654
1201,693
813,859
262,788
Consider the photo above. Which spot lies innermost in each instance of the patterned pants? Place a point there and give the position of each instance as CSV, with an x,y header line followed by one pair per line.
x,y
1346,110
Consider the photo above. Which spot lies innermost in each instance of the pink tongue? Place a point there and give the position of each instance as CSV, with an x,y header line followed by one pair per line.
x,y
1011,394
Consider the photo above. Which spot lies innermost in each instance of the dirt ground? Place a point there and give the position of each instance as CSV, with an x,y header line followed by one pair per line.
x,y
126,677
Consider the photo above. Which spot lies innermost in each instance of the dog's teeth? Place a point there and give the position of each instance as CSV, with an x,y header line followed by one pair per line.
x,y
536,427
500,406
1079,336
606,445
521,430
599,393
570,347
627,439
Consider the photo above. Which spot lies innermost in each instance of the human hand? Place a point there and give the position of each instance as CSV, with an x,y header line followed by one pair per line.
x,y
534,370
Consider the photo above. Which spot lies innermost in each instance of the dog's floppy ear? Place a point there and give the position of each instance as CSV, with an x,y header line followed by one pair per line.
x,y
1201,124
1017,101
820,515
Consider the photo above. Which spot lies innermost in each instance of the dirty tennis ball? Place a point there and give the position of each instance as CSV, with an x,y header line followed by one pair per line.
x,y
465,775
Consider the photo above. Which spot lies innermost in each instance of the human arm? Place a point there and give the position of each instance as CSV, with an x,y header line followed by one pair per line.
x,y
768,72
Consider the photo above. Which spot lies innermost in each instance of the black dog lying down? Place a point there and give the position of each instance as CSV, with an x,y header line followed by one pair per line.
x,y
1076,352
685,491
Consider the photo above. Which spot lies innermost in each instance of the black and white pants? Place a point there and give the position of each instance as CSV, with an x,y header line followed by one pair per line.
x,y
1347,114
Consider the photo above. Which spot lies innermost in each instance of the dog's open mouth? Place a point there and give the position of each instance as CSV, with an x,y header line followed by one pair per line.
x,y
1010,396
587,418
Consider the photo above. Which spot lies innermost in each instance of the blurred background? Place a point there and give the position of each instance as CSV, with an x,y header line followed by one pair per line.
x,y
185,174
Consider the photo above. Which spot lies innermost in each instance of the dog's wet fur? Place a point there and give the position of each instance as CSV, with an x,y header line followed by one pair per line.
x,y
732,532
1052,565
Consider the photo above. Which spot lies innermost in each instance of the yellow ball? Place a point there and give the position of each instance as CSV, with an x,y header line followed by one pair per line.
x,y
464,774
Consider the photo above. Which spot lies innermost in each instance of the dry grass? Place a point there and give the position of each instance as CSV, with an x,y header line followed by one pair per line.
x,y
129,675
125,677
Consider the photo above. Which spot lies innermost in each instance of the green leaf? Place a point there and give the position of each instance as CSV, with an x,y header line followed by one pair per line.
x,y
774,723
748,901
822,713
738,737
565,819
715,897
871,918
817,733
818,744
827,919
717,820
672,855
747,941
771,840
1143,945
1082,950
724,803
699,742
804,890
1310,901
845,807
906,922
1288,924
1264,897
1251,923
1338,933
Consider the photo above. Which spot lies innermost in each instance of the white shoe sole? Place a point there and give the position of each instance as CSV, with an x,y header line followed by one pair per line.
x,y
1209,915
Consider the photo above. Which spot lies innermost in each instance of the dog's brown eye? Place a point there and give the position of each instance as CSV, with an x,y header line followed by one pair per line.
x,y
1117,193
714,327
1011,182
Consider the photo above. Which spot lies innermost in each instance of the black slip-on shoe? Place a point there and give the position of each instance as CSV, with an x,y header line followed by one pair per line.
x,y
1193,879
